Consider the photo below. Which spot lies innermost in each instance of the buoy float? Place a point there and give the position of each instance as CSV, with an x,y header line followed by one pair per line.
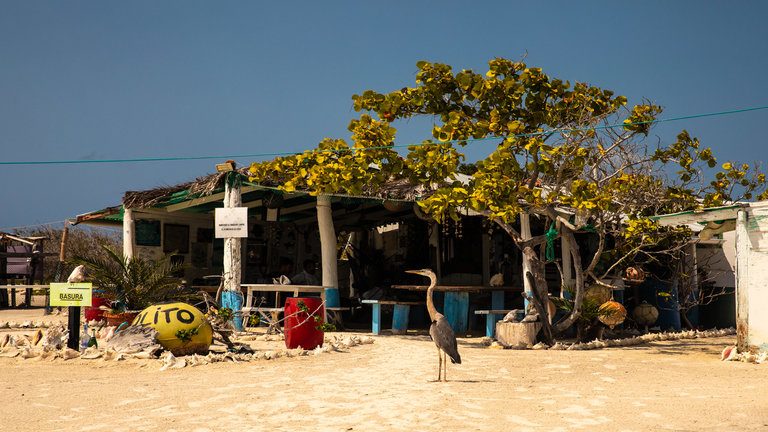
x,y
181,328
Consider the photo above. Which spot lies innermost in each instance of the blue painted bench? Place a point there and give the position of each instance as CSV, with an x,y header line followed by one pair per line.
x,y
491,316
399,318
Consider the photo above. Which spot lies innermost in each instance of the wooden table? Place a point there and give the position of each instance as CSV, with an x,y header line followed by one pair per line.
x,y
456,303
295,289
271,313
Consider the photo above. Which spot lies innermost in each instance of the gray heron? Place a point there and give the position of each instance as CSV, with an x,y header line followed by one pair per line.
x,y
440,330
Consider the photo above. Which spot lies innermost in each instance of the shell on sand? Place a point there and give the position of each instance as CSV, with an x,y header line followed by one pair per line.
x,y
21,341
37,337
172,362
9,352
49,355
27,353
69,353
91,353
4,340
729,353
54,337
109,354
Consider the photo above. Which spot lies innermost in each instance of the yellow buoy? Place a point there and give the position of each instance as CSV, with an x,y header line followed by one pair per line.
x,y
181,328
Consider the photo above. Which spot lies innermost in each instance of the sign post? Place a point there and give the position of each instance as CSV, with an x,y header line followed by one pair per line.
x,y
73,295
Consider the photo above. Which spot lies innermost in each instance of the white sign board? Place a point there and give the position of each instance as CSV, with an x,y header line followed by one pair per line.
x,y
231,222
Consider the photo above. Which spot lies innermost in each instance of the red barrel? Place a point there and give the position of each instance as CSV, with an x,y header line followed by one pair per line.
x,y
300,327
93,313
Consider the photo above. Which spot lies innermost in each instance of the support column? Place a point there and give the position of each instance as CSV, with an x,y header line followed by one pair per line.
x,y
525,233
742,281
128,234
328,250
232,296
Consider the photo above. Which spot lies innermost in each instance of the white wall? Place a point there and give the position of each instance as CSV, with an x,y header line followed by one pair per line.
x,y
194,222
757,283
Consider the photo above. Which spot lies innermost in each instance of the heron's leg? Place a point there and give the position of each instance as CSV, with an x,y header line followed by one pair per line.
x,y
445,367
440,363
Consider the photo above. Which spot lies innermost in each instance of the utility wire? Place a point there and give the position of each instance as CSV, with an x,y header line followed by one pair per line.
x,y
274,154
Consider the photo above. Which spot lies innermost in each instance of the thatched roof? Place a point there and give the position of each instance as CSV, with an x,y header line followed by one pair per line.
x,y
395,189
201,186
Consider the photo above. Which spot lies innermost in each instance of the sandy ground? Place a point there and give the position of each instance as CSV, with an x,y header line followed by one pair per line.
x,y
675,385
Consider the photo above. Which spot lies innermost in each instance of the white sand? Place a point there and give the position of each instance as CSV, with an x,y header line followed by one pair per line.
x,y
675,385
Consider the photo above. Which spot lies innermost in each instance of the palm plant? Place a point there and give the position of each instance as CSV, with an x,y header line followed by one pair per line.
x,y
134,283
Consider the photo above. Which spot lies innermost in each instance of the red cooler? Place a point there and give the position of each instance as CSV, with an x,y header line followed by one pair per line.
x,y
93,313
300,328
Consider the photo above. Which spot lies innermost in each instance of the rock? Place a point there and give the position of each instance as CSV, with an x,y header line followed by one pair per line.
x,y
5,340
540,346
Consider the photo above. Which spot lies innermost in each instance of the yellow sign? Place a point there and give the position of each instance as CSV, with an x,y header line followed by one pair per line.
x,y
71,294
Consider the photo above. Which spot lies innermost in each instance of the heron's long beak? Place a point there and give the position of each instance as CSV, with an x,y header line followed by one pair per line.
x,y
412,271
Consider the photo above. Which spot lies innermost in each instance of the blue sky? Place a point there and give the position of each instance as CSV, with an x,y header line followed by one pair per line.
x,y
112,80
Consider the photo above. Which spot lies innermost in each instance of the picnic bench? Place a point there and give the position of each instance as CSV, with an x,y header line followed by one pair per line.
x,y
399,317
456,302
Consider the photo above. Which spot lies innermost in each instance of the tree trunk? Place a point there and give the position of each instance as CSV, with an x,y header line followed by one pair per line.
x,y
539,302
578,295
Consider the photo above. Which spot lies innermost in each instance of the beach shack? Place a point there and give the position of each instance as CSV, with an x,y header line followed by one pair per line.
x,y
750,223
358,245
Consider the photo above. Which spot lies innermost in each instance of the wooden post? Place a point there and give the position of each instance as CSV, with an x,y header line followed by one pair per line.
x,y
128,237
231,297
525,233
328,250
742,281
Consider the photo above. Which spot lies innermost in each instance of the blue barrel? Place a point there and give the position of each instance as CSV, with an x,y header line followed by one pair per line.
x,y
668,305
457,310
234,301
332,298
400,319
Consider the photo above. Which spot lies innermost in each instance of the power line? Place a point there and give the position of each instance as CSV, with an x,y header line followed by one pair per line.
x,y
6,229
275,154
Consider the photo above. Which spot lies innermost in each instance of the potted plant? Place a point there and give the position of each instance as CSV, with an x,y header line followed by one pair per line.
x,y
133,284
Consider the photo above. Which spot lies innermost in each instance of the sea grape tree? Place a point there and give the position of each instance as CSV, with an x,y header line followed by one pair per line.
x,y
574,155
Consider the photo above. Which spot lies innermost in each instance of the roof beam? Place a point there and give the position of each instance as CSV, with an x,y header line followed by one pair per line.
x,y
690,217
204,200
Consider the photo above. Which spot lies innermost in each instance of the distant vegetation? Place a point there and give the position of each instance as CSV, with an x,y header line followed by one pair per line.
x,y
83,241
